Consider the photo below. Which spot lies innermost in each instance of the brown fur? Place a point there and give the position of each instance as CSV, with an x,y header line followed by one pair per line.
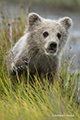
x,y
34,47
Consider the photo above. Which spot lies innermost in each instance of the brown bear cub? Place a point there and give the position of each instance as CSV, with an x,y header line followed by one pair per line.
x,y
40,47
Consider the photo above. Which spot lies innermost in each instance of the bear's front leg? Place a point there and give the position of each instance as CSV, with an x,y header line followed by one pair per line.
x,y
18,67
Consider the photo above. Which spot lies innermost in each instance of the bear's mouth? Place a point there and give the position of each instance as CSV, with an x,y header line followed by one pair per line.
x,y
50,51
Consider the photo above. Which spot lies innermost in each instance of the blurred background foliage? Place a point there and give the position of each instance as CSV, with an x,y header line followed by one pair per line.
x,y
66,4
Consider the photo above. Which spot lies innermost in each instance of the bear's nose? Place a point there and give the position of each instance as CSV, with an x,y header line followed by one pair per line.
x,y
53,44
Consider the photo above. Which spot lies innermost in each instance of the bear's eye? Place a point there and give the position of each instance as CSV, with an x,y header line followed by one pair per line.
x,y
45,34
59,35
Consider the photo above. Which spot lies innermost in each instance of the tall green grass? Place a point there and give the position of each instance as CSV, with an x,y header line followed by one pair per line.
x,y
40,102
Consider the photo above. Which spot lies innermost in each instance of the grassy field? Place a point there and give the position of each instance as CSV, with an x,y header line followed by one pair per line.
x,y
58,102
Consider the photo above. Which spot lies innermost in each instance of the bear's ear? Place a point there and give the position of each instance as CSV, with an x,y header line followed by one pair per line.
x,y
66,22
33,18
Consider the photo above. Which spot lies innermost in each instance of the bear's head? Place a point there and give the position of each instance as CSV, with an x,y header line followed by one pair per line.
x,y
48,35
